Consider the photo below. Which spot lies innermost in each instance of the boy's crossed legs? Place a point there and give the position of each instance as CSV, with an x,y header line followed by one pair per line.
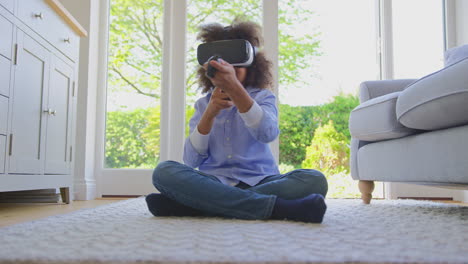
x,y
298,195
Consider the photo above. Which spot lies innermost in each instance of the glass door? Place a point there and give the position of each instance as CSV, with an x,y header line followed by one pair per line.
x,y
326,49
133,106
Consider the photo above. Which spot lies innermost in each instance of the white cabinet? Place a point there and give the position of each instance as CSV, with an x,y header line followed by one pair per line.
x,y
59,118
38,66
27,119
3,130
3,115
5,65
43,95
42,19
6,45
6,30
8,4
2,153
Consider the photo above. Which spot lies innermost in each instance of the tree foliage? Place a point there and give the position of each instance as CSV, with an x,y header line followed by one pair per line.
x,y
135,46
126,142
132,137
328,152
338,111
136,39
298,125
297,129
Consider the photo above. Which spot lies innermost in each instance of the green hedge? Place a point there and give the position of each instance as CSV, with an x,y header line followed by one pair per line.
x,y
132,137
298,125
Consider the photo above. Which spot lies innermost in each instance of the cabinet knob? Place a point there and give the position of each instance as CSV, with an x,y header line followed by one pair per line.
x,y
39,15
67,40
50,111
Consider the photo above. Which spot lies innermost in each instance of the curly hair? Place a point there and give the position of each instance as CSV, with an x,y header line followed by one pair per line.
x,y
259,74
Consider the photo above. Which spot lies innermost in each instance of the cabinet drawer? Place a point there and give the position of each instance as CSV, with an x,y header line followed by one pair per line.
x,y
3,115
2,153
4,76
65,40
6,40
41,18
8,4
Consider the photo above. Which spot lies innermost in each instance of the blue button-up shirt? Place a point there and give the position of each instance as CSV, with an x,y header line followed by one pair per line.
x,y
236,149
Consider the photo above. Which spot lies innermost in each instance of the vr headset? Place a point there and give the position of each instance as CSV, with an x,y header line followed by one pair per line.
x,y
237,52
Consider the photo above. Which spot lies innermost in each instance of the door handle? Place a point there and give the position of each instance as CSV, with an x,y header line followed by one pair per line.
x,y
39,15
50,111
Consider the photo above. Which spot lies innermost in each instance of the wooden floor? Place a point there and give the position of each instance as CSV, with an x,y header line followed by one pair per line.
x,y
454,202
17,213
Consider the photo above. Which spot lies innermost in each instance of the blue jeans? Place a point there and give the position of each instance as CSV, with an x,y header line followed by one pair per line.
x,y
206,193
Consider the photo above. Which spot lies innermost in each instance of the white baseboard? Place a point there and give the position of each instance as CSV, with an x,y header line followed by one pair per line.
x,y
395,190
84,190
465,197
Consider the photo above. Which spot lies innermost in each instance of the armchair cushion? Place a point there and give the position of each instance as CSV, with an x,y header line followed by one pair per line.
x,y
373,89
436,101
455,55
375,120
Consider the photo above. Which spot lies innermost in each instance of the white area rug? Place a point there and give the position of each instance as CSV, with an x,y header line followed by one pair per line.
x,y
125,232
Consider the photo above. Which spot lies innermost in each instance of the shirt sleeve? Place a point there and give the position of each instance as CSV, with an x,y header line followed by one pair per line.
x,y
196,147
199,141
262,118
253,117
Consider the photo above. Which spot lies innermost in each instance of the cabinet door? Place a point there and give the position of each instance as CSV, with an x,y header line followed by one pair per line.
x,y
2,153
6,44
6,31
57,159
27,129
8,4
4,76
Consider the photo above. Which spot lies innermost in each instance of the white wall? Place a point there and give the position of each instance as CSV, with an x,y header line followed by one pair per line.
x,y
87,14
461,22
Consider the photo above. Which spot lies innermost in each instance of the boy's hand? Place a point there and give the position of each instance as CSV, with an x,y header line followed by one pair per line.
x,y
226,80
225,77
219,100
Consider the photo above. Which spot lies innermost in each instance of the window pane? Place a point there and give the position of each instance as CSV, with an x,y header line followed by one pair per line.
x,y
202,12
133,89
418,41
327,48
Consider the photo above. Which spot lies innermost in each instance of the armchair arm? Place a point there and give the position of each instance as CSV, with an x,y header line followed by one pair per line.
x,y
373,89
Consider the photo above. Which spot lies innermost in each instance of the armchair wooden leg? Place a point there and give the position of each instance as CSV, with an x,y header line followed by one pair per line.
x,y
65,193
366,188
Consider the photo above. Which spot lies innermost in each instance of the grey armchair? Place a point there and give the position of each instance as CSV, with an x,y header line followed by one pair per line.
x,y
412,131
